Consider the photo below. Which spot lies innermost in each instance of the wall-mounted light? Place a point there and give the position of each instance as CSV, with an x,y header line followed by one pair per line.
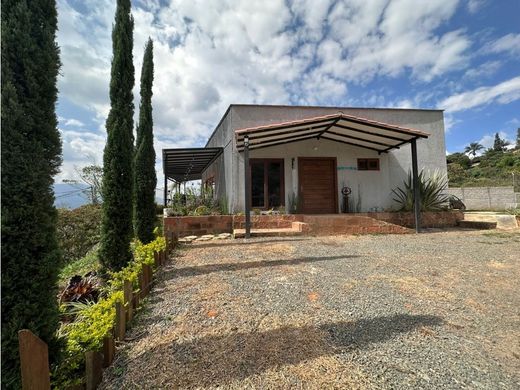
x,y
315,148
246,141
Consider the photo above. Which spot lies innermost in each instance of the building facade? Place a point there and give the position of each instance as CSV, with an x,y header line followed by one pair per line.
x,y
299,163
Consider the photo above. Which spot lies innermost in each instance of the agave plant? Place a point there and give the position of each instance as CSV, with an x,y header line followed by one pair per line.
x,y
432,191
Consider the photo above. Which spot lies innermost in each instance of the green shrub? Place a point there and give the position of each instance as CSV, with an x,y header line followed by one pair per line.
x,y
78,231
95,321
431,189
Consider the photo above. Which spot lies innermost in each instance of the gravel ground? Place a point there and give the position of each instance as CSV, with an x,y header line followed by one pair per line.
x,y
429,311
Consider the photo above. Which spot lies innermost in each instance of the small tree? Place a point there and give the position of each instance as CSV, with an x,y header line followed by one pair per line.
x,y
92,177
145,176
31,156
517,146
499,145
473,148
116,226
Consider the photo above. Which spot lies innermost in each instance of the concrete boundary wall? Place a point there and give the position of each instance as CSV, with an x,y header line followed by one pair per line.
x,y
485,198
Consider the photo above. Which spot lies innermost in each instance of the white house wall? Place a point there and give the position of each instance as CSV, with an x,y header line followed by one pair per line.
x,y
370,189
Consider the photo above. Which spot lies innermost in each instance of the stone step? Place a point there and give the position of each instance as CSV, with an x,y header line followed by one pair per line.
x,y
481,225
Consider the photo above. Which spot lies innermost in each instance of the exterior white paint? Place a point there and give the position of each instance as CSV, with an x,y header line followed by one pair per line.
x,y
370,189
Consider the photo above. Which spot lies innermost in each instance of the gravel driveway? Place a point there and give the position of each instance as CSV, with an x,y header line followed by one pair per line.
x,y
429,311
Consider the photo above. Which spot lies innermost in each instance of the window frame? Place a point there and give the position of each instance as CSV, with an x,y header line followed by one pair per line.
x,y
265,162
366,162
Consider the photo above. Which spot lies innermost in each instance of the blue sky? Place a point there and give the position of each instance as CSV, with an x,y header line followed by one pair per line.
x,y
461,56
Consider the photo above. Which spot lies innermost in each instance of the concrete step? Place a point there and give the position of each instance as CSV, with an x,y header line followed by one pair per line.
x,y
281,232
502,221
480,225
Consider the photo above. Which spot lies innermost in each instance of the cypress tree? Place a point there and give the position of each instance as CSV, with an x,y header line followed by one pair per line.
x,y
31,156
116,226
145,176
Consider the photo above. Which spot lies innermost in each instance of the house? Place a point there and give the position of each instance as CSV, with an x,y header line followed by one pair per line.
x,y
303,157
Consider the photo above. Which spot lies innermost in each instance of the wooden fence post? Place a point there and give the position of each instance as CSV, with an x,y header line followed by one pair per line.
x,y
149,276
108,350
142,281
156,260
93,369
34,361
164,255
127,293
120,321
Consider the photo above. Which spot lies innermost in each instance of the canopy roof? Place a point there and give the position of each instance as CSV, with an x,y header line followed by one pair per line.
x,y
188,164
351,130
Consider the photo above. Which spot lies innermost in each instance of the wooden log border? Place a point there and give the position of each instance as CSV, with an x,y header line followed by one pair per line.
x,y
34,357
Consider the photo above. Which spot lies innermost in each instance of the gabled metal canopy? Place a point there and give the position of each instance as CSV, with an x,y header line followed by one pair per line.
x,y
182,165
347,129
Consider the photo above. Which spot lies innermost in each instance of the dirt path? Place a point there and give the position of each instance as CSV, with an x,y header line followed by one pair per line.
x,y
436,310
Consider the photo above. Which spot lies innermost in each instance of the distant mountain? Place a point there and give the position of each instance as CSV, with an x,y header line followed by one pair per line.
x,y
70,196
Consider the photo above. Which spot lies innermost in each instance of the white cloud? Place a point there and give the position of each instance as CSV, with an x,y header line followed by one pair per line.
x,y
73,122
208,55
489,139
509,43
484,70
80,148
502,93
475,5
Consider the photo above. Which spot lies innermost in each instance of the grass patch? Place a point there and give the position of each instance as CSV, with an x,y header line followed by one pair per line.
x,y
81,266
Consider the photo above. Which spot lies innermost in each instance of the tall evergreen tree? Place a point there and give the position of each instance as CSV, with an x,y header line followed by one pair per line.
x,y
145,176
116,227
31,156
499,145
518,138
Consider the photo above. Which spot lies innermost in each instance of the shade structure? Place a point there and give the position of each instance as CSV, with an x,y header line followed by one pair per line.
x,y
183,165
347,129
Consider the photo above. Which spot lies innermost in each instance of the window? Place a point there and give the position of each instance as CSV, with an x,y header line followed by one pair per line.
x,y
267,183
368,164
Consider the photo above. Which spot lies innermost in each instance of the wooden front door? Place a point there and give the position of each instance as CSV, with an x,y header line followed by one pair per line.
x,y
318,185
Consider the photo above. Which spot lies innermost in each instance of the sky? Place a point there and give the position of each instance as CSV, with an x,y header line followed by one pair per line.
x,y
462,56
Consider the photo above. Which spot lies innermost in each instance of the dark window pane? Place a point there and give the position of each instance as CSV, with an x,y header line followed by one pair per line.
x,y
257,184
373,164
274,173
362,164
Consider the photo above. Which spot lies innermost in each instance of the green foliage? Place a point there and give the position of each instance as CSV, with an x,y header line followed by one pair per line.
x,y
95,321
456,173
195,202
473,148
78,231
145,176
223,206
87,263
499,145
459,158
116,227
431,189
30,157
494,168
